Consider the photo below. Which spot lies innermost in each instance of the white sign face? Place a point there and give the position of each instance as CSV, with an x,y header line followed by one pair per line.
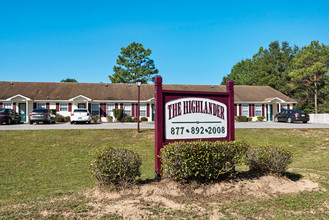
x,y
195,118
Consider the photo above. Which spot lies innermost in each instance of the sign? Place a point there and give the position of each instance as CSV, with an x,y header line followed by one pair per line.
x,y
191,118
192,115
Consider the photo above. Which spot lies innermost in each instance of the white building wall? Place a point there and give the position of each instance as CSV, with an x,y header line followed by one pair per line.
x,y
319,118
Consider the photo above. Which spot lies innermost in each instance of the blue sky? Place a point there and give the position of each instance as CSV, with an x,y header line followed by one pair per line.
x,y
192,42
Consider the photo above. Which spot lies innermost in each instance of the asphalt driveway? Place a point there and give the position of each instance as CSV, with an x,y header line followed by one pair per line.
x,y
150,125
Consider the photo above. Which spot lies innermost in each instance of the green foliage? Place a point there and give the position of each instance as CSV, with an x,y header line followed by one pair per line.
x,y
53,111
95,119
69,80
249,118
260,118
118,114
134,63
128,118
309,78
241,118
135,119
268,159
66,118
109,118
201,161
59,118
115,167
144,119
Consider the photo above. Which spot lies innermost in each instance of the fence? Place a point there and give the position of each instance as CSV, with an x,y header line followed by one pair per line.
x,y
319,118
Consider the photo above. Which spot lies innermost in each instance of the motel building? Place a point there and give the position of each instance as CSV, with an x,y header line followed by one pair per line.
x,y
101,98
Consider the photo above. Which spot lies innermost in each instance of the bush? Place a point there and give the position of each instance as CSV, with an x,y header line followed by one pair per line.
x,y
118,114
95,119
144,119
268,159
66,118
53,111
260,118
128,118
249,118
240,118
201,161
135,119
115,167
59,118
109,118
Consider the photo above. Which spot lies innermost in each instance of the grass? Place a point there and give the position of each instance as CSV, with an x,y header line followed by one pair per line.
x,y
40,168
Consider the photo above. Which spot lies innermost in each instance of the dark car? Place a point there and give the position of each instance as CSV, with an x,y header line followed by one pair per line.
x,y
9,116
42,115
291,116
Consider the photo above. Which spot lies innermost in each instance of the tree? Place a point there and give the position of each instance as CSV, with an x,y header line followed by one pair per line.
x,y
69,80
310,75
134,63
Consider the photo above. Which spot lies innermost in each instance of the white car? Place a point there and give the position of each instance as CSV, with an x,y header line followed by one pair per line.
x,y
80,115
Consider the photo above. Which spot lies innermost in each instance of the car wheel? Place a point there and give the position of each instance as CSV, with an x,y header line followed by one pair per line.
x,y
305,122
276,119
31,122
8,121
289,120
71,122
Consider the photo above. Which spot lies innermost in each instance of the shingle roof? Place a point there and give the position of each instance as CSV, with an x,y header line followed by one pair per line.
x,y
113,91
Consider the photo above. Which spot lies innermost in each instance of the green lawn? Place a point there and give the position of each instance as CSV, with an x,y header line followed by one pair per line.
x,y
42,165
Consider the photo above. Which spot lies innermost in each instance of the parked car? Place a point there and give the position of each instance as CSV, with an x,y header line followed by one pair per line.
x,y
42,115
9,116
80,115
291,116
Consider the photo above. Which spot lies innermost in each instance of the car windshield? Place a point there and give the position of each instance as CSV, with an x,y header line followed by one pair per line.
x,y
3,110
80,110
40,110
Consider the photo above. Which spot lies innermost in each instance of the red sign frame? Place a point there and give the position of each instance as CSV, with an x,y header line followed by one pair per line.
x,y
164,96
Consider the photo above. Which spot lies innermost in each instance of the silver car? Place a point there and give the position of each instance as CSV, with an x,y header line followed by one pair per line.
x,y
80,115
42,115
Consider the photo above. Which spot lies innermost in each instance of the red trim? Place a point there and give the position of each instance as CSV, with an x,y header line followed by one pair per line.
x,y
1,105
263,110
116,105
34,105
235,110
288,106
250,110
148,110
57,107
103,109
89,107
253,110
14,106
133,110
47,105
70,107
121,105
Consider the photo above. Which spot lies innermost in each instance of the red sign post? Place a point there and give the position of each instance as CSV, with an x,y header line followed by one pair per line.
x,y
192,115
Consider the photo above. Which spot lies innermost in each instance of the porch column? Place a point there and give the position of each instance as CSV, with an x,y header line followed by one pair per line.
x,y
27,112
279,106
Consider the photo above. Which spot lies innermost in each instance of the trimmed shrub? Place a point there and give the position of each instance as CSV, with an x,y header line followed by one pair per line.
x,y
66,118
240,118
59,118
109,118
201,161
118,114
144,119
115,167
268,159
260,118
128,118
95,119
249,118
135,119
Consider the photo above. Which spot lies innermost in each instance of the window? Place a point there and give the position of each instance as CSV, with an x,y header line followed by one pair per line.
x,y
63,107
284,106
142,110
41,105
245,109
7,105
81,105
95,109
109,110
127,109
258,110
